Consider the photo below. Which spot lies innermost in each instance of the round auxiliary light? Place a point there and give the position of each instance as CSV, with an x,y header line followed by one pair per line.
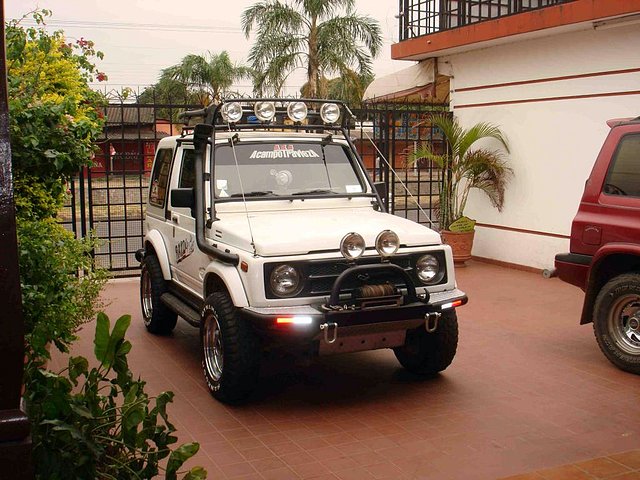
x,y
284,281
387,243
352,246
330,113
297,111
428,268
265,111
231,112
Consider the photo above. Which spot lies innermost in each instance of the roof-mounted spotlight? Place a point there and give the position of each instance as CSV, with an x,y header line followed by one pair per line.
x,y
265,111
231,112
330,113
297,111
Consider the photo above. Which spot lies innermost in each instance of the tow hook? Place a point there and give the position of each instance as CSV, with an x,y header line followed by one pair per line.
x,y
330,332
431,321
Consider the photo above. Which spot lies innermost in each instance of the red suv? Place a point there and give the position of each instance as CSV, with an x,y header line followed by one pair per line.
x,y
605,246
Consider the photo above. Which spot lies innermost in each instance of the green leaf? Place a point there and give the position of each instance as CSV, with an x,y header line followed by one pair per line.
x,y
196,473
77,366
179,456
101,340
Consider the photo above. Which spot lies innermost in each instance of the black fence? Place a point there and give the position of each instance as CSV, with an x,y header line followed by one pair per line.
x,y
422,17
110,197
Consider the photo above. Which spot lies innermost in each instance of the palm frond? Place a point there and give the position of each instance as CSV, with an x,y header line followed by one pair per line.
x,y
465,168
325,8
478,132
488,171
357,30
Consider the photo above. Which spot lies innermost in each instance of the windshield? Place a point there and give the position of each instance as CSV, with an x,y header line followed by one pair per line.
x,y
270,169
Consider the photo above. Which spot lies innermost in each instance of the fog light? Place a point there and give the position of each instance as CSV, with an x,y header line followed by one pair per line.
x,y
265,111
297,111
330,113
352,246
387,243
297,320
231,112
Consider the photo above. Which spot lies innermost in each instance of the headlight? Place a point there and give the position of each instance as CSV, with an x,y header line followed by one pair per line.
x,y
284,281
265,111
231,112
330,113
387,243
428,268
297,111
352,246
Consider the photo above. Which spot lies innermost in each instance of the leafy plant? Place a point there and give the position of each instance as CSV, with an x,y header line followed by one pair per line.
x,y
465,167
207,77
98,423
324,37
53,117
60,283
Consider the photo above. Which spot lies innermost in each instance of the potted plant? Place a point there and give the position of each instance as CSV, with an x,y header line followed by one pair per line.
x,y
465,167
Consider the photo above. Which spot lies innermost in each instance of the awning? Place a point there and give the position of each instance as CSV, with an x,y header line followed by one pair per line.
x,y
413,84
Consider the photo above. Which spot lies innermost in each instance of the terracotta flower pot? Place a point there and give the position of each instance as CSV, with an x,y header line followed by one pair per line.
x,y
461,244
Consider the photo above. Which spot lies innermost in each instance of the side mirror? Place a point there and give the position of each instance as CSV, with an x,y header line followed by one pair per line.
x,y
381,190
184,198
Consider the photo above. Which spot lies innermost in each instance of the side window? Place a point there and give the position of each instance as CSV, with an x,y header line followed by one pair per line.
x,y
188,171
160,178
623,177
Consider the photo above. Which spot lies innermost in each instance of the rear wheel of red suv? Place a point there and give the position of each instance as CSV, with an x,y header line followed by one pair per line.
x,y
616,321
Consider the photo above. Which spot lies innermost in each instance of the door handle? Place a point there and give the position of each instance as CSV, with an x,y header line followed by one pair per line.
x,y
175,219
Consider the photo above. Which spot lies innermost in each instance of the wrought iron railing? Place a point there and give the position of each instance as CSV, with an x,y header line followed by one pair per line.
x,y
423,17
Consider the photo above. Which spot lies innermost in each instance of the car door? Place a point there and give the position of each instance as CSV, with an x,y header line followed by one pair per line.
x,y
187,261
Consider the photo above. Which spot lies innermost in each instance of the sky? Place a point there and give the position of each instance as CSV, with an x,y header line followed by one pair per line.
x,y
141,37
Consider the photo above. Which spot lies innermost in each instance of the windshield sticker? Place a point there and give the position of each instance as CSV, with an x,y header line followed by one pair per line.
x,y
222,186
284,151
353,188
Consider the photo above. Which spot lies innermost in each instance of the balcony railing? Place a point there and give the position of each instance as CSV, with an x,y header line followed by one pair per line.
x,y
422,17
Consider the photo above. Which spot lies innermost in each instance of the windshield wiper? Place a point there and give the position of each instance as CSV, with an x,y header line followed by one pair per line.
x,y
317,191
257,193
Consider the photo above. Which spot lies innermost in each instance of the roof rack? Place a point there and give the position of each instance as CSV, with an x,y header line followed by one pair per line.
x,y
245,116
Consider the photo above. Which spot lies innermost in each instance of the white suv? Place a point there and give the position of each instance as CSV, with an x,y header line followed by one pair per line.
x,y
264,230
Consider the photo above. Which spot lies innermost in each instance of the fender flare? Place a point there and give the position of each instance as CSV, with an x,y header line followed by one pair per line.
x,y
595,282
154,237
229,275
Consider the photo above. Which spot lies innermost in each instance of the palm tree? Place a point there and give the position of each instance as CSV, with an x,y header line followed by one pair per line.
x,y
209,75
465,167
349,88
309,34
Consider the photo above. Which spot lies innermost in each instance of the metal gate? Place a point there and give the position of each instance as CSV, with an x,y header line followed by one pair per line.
x,y
109,198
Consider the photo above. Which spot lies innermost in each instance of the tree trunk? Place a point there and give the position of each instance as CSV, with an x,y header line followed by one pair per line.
x,y
313,67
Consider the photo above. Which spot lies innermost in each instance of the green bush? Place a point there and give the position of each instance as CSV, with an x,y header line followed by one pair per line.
x,y
99,423
60,283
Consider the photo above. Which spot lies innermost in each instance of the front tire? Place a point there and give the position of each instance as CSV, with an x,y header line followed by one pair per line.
x,y
157,317
230,350
616,321
427,353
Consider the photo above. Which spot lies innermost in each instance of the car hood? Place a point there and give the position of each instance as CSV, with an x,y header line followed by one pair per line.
x,y
281,233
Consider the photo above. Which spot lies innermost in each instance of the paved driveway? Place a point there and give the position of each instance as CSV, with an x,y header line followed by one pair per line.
x,y
528,390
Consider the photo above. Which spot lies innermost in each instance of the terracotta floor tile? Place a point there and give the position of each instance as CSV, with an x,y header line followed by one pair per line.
x,y
266,464
257,453
627,476
236,470
524,476
280,474
602,467
566,472
356,473
525,393
630,459
310,470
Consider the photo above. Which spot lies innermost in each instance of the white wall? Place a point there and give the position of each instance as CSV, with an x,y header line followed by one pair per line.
x,y
553,143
